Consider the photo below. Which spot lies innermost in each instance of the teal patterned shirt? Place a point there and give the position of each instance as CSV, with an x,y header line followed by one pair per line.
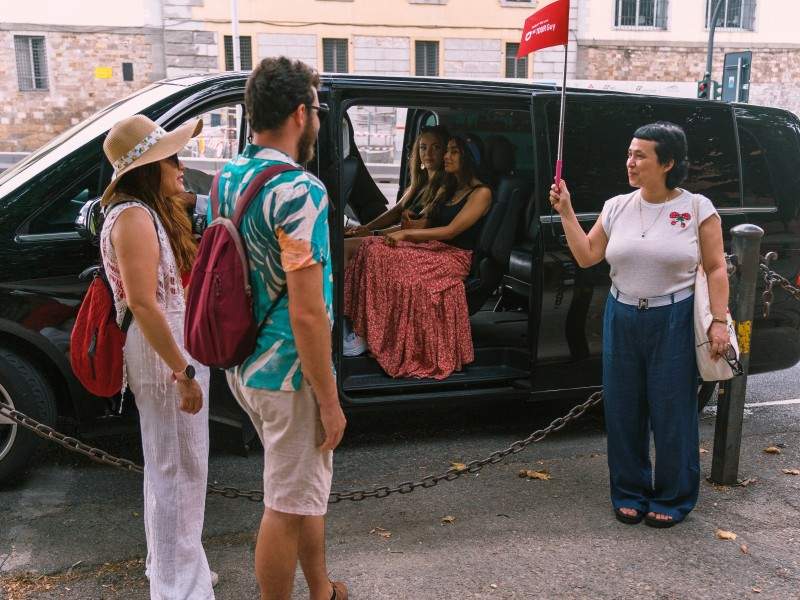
x,y
285,229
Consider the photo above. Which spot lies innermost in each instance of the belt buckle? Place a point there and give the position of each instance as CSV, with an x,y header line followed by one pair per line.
x,y
643,303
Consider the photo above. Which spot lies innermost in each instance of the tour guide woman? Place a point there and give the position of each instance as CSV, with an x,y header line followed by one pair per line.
x,y
649,367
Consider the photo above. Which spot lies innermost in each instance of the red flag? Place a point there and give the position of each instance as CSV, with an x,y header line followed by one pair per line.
x,y
546,27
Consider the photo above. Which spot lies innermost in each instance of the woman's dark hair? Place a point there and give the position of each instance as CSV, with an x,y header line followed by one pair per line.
x,y
671,144
470,155
144,184
274,90
422,182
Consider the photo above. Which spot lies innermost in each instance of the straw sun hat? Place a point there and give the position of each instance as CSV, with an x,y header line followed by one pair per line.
x,y
138,141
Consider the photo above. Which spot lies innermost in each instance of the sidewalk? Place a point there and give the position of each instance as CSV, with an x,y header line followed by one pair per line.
x,y
511,537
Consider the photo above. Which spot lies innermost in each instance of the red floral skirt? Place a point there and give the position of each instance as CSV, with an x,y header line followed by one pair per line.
x,y
408,302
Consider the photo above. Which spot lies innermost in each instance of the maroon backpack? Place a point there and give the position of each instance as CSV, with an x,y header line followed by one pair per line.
x,y
220,329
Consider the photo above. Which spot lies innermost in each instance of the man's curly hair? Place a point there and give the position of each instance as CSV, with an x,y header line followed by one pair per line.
x,y
275,88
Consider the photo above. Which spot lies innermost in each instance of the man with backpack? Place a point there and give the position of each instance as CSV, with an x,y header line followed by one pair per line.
x,y
287,385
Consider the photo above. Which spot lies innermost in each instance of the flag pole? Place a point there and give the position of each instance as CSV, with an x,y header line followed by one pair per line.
x,y
562,118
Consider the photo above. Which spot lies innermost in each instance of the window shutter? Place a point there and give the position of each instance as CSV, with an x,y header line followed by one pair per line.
x,y
245,52
334,55
749,14
427,58
515,67
31,59
661,14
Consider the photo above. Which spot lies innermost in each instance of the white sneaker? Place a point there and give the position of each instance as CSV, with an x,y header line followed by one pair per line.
x,y
354,345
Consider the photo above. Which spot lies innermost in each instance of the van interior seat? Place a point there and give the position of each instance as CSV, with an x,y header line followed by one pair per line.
x,y
520,260
510,192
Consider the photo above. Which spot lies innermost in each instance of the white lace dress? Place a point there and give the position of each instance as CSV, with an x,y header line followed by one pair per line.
x,y
175,444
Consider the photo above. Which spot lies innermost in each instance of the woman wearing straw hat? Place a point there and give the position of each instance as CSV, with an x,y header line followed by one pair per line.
x,y
146,244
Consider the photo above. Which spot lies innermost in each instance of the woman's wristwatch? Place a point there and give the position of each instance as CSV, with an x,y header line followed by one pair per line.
x,y
186,375
718,320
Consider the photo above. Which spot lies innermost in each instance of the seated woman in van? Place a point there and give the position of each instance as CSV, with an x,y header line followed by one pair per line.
x,y
405,292
425,169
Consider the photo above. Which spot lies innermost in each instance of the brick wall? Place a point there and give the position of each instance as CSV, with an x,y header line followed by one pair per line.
x,y
774,75
473,58
381,55
31,118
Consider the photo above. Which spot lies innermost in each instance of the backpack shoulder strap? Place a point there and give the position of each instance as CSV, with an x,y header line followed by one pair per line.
x,y
214,195
252,189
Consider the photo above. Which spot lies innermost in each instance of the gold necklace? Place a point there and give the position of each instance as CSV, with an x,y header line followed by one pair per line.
x,y
658,216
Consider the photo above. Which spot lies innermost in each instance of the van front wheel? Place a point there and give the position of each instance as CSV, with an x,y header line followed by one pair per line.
x,y
24,388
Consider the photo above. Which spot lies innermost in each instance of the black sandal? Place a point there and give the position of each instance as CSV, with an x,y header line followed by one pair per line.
x,y
627,519
660,523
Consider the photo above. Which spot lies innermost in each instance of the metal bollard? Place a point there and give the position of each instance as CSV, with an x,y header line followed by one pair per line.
x,y
730,406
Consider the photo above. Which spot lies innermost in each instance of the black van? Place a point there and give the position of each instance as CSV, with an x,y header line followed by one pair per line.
x,y
535,315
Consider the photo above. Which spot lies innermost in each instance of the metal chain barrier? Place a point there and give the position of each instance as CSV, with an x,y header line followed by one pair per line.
x,y
770,279
405,487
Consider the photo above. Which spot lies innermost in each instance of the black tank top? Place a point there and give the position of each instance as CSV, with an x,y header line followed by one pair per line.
x,y
444,215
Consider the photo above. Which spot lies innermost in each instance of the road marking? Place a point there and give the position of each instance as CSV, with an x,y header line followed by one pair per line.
x,y
773,403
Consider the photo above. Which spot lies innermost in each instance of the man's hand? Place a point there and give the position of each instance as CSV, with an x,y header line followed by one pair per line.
x,y
333,422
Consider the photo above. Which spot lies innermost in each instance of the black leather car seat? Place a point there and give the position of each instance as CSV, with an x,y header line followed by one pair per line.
x,y
510,194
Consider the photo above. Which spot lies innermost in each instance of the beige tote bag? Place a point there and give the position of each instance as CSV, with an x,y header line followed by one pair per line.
x,y
710,369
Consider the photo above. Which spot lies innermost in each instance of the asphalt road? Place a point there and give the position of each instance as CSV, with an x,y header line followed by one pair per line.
x,y
73,529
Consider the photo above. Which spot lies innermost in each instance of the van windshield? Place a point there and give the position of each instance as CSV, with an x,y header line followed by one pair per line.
x,y
82,133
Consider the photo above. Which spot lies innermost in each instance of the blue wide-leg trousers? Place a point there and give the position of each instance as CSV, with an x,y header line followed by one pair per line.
x,y
650,384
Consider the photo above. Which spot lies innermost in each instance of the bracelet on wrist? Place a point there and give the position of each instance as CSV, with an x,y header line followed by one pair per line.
x,y
717,320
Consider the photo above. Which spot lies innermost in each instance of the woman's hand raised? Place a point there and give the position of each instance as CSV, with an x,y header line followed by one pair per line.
x,y
560,199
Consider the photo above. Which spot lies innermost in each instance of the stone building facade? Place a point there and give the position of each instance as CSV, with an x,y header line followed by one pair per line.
x,y
675,50
86,48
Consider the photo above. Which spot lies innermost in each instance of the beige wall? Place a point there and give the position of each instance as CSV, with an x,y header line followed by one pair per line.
x,y
494,20
84,13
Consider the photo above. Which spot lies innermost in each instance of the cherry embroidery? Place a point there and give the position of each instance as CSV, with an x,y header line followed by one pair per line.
x,y
682,218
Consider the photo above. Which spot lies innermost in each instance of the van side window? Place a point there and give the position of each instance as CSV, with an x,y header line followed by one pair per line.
x,y
770,147
60,214
599,131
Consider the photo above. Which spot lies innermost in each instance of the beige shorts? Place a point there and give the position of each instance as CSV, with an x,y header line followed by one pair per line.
x,y
297,475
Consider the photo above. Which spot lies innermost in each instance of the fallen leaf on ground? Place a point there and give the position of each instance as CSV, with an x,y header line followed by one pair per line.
x,y
703,451
544,474
384,533
725,535
493,586
756,590
772,450
458,466
791,471
448,520
748,481
745,549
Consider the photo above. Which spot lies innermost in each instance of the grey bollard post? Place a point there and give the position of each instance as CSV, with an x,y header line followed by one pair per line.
x,y
730,406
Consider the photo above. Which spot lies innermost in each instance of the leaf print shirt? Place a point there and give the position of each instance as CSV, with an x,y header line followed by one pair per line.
x,y
284,229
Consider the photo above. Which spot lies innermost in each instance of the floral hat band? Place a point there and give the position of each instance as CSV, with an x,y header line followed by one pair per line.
x,y
131,155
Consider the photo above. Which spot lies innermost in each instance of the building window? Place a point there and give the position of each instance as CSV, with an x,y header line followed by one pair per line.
x,y
245,52
515,67
426,56
530,3
651,14
735,14
334,55
31,62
